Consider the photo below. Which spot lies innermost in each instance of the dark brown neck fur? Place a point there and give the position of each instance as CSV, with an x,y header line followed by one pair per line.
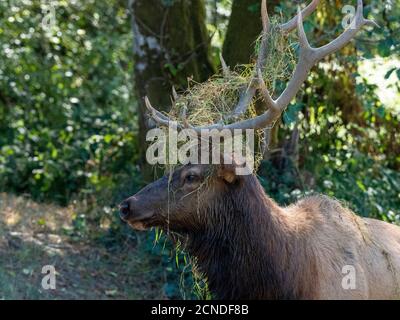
x,y
251,252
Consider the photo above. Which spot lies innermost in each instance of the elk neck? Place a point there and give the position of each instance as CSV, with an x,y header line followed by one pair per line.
x,y
252,250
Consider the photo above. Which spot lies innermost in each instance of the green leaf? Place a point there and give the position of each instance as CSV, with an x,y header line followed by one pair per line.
x,y
384,48
171,68
361,185
381,111
291,113
389,73
108,138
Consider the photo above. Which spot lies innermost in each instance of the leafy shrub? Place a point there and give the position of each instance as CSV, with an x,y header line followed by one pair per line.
x,y
67,115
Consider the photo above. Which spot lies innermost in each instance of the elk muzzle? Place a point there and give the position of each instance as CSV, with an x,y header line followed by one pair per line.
x,y
134,213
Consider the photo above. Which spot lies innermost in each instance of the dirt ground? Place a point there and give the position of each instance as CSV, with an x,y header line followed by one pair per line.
x,y
33,235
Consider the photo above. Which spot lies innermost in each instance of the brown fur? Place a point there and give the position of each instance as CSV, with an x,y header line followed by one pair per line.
x,y
250,248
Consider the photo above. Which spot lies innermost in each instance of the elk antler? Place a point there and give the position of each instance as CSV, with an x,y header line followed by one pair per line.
x,y
308,57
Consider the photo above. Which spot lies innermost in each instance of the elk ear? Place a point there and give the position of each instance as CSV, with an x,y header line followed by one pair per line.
x,y
227,172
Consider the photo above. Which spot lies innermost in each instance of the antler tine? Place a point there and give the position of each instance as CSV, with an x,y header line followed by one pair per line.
x,y
174,94
157,116
292,23
265,93
264,16
184,117
174,97
225,69
264,39
244,101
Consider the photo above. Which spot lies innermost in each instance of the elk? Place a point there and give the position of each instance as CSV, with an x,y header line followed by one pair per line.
x,y
247,245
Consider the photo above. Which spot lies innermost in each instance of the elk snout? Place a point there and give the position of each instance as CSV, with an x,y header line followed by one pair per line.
x,y
136,212
130,209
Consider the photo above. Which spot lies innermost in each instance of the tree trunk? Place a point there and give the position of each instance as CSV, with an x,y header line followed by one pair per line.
x,y
243,29
170,44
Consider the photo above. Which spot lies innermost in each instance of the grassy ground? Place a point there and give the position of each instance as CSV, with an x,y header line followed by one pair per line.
x,y
33,235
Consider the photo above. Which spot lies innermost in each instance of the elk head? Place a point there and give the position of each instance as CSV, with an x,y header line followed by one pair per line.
x,y
176,201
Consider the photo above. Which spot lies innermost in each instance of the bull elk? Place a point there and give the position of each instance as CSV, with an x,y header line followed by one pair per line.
x,y
249,247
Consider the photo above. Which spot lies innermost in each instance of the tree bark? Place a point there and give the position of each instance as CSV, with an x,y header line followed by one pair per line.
x,y
243,30
170,44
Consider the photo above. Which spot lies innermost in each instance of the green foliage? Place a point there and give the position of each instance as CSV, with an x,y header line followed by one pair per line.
x,y
331,163
368,188
67,117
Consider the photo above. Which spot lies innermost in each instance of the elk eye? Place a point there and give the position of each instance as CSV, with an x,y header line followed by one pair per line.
x,y
191,178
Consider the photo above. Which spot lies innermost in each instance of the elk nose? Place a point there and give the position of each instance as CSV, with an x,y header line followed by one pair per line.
x,y
124,210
